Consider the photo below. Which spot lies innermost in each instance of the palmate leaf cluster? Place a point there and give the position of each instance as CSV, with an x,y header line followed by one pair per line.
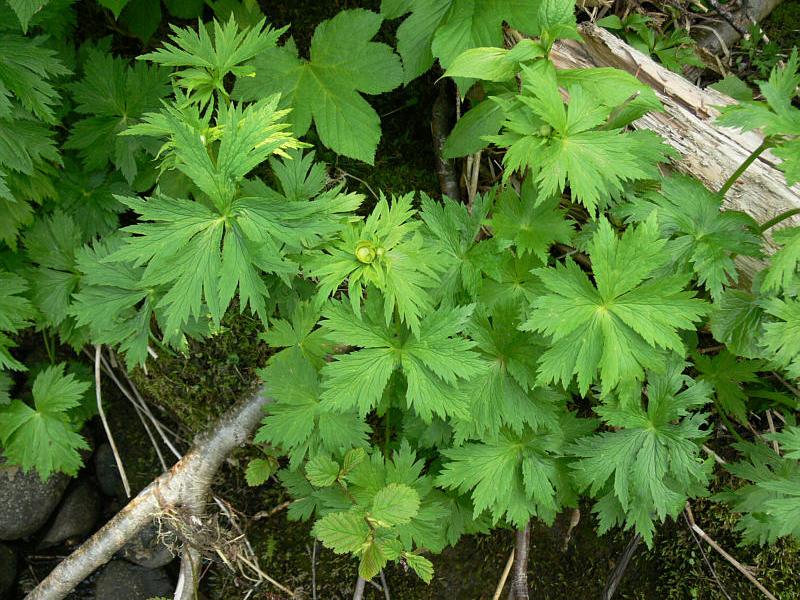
x,y
437,368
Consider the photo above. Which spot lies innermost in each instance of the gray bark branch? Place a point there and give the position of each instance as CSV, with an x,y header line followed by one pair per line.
x,y
186,485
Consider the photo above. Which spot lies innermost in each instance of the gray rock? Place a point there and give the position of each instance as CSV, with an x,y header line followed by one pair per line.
x,y
76,517
26,502
8,569
120,580
105,467
146,549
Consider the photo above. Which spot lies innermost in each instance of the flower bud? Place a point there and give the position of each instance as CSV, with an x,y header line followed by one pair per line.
x,y
365,252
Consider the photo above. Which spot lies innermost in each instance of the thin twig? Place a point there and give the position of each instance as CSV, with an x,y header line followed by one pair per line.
x,y
506,570
717,458
739,566
385,585
268,513
772,430
705,558
314,570
358,593
102,413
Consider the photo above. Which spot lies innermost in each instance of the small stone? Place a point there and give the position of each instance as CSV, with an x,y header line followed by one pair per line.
x,y
8,569
146,549
120,580
105,468
26,502
76,517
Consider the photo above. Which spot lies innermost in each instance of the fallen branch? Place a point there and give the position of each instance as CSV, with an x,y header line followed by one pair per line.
x,y
708,152
185,485
726,35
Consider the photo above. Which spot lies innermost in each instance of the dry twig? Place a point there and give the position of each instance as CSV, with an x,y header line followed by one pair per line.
x,y
739,566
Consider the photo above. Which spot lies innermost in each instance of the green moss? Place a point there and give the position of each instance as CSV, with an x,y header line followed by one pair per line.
x,y
217,371
684,573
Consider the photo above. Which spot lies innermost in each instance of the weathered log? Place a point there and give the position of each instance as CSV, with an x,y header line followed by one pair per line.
x,y
724,34
709,152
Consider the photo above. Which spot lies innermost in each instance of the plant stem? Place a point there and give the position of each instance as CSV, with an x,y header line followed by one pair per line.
x,y
358,594
519,585
787,214
767,143
622,564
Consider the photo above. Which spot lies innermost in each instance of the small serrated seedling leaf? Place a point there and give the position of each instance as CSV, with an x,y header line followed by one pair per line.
x,y
322,471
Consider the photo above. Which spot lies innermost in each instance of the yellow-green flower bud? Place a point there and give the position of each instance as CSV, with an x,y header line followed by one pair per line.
x,y
545,130
365,252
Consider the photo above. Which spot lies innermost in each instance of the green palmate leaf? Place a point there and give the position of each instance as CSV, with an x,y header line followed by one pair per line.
x,y
299,333
769,501
322,471
394,504
25,9
789,440
247,137
622,324
777,118
433,362
566,144
650,465
113,96
42,437
51,244
529,222
783,265
513,285
386,251
503,394
297,421
512,476
112,301
781,337
727,374
705,238
445,29
6,383
258,471
342,532
343,62
205,61
736,322
26,72
457,230
16,313
26,148
89,199
627,97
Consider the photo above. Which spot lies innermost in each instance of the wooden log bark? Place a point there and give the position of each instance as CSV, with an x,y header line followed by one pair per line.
x,y
709,152
725,35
